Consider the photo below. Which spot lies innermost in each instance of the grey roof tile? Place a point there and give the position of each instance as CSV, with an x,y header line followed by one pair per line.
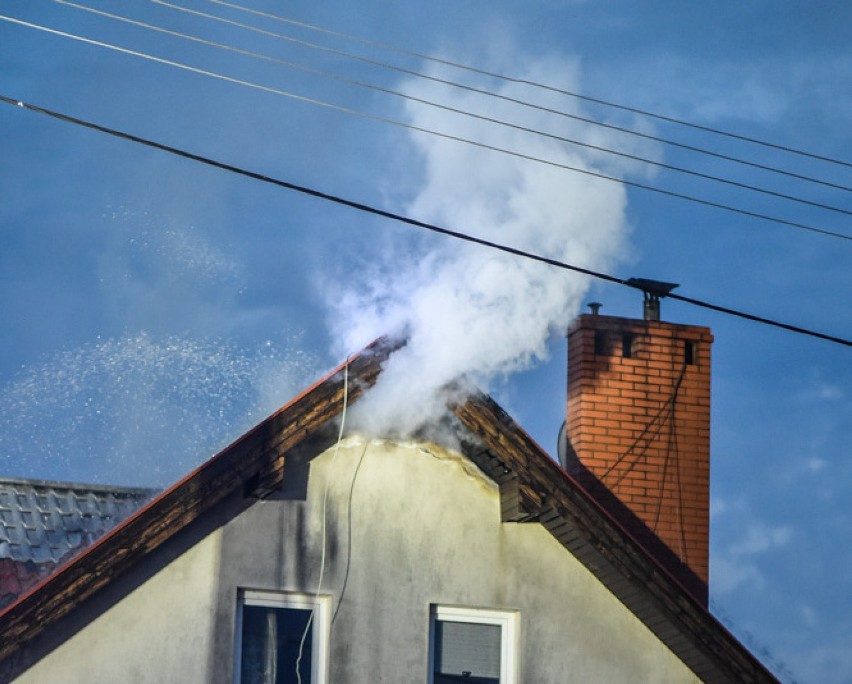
x,y
43,521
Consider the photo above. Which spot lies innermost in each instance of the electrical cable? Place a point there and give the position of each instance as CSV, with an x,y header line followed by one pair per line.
x,y
456,110
349,531
325,517
672,455
679,481
446,136
366,208
560,91
505,98
642,435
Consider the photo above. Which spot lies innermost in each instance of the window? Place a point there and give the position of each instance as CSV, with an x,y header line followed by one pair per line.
x,y
472,646
276,633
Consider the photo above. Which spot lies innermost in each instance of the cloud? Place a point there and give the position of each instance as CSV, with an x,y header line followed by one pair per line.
x,y
737,564
730,575
815,464
758,538
468,310
828,661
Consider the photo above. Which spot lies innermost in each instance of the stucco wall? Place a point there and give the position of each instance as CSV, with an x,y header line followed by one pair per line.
x,y
425,530
161,632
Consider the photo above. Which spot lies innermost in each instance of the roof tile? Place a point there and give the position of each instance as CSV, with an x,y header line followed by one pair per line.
x,y
42,521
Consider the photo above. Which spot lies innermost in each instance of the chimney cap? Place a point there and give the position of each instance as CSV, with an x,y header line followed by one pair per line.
x,y
653,289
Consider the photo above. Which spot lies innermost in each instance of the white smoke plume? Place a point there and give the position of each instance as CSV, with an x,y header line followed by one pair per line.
x,y
469,310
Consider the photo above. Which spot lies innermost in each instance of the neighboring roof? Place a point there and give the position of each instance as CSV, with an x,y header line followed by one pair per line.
x,y
43,524
44,521
533,489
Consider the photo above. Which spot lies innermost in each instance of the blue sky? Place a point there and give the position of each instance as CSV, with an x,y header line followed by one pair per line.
x,y
154,308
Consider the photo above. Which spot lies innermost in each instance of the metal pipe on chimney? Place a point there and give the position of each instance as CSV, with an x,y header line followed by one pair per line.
x,y
651,308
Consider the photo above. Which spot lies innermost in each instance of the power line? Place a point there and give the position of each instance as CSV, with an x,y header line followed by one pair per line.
x,y
499,96
360,206
428,131
522,81
456,110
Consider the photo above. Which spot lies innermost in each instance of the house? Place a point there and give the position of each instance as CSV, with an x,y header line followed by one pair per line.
x,y
303,553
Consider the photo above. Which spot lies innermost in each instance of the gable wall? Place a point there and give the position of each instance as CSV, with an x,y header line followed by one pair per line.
x,y
160,632
425,530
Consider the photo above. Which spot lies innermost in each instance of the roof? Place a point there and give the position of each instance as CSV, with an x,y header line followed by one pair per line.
x,y
44,524
44,521
533,489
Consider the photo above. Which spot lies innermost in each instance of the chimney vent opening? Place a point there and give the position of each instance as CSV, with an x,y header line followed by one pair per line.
x,y
690,350
627,345
600,343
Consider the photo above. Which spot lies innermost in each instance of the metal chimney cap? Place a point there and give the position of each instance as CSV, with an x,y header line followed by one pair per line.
x,y
653,289
594,307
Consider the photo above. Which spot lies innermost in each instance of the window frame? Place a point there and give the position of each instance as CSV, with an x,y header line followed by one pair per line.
x,y
320,626
507,620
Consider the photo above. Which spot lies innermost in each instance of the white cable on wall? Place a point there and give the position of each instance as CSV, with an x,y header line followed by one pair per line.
x,y
324,517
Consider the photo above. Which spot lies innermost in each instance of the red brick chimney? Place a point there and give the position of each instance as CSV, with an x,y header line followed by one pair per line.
x,y
638,432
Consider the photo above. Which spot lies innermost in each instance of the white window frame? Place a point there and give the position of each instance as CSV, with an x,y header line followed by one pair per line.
x,y
320,626
506,620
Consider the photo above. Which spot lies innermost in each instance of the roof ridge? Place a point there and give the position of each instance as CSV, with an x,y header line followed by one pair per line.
x,y
78,486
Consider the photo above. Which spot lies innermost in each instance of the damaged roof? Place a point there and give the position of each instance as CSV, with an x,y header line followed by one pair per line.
x,y
533,489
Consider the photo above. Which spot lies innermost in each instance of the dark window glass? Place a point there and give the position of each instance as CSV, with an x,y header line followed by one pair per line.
x,y
466,652
270,645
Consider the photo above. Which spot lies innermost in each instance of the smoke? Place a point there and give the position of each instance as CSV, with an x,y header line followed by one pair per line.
x,y
467,310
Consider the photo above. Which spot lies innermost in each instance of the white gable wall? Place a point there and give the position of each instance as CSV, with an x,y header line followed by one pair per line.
x,y
161,632
425,530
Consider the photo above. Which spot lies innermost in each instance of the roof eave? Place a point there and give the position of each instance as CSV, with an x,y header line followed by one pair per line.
x,y
535,489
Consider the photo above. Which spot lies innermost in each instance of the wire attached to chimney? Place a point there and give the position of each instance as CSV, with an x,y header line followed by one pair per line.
x,y
659,426
672,455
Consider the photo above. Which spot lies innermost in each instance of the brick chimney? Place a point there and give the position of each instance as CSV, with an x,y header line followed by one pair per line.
x,y
638,432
